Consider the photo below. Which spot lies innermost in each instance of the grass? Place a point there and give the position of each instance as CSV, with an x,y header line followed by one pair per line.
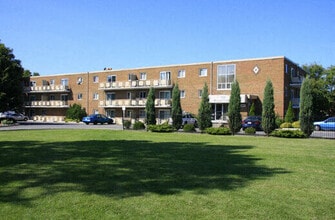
x,y
104,174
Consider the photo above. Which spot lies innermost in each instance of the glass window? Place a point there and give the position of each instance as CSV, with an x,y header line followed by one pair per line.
x,y
165,95
165,75
95,96
164,114
181,73
79,80
203,72
142,114
142,94
182,94
200,93
95,79
143,76
111,78
110,113
110,96
64,82
80,96
225,76
52,82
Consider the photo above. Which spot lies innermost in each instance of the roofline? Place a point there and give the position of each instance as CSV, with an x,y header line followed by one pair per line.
x,y
166,66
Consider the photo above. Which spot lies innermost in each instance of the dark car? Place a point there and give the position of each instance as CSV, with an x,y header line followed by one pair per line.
x,y
252,122
326,125
97,118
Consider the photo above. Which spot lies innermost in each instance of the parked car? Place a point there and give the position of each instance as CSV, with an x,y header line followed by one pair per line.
x,y
11,115
97,118
326,125
189,119
253,122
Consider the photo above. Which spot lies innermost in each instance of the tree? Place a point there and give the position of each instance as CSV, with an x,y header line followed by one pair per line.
x,y
177,119
252,111
75,112
268,113
306,107
289,116
150,108
234,109
11,78
205,110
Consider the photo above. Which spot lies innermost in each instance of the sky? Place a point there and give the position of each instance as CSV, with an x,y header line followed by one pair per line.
x,y
70,36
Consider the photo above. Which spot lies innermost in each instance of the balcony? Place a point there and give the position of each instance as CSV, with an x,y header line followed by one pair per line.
x,y
47,104
47,89
135,84
296,81
134,103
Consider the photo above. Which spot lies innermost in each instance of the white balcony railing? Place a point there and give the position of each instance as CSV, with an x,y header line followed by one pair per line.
x,y
134,103
47,104
54,88
135,84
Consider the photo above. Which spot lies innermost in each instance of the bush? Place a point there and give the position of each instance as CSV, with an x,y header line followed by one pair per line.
x,y
286,125
279,121
250,130
75,112
218,131
7,122
189,128
296,124
138,125
161,128
127,124
288,134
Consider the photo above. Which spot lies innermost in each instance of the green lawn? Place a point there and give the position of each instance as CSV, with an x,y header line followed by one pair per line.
x,y
105,174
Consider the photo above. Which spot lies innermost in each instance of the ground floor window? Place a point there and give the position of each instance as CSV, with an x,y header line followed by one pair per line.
x,y
164,114
219,110
110,113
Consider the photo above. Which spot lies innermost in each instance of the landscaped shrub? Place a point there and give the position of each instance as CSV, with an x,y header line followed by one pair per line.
x,y
218,131
279,121
138,125
288,134
250,130
286,125
161,128
189,128
7,122
296,124
127,124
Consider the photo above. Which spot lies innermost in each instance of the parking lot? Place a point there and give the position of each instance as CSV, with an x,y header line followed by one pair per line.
x,y
31,125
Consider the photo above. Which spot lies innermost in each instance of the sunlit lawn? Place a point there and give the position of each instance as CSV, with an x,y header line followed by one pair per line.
x,y
104,174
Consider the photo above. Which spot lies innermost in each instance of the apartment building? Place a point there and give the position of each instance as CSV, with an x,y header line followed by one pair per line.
x,y
114,92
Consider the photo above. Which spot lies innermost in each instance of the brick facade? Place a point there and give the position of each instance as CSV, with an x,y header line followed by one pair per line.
x,y
106,91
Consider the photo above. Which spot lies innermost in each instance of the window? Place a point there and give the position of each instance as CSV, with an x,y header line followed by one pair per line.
x,y
165,95
226,76
143,76
111,78
132,77
182,94
129,95
142,114
181,73
200,93
286,68
79,80
52,98
95,79
142,94
110,96
64,97
32,83
52,82
293,73
164,114
80,96
165,75
95,96
129,113
110,113
203,72
64,82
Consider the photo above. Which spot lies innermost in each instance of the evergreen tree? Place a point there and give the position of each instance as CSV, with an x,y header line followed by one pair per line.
x,y
11,78
150,108
177,119
75,112
306,107
289,116
252,111
234,109
205,110
268,113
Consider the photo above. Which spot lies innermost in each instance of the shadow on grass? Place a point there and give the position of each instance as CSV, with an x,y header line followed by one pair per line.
x,y
123,168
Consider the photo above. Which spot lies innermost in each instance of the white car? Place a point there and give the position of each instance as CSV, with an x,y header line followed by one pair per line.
x,y
189,119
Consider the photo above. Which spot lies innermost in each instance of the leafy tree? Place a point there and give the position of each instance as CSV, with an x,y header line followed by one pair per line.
x,y
150,108
75,112
306,107
252,111
11,76
234,109
205,110
268,113
289,116
177,119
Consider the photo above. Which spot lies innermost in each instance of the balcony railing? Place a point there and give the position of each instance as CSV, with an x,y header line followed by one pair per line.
x,y
47,104
134,103
296,81
43,89
136,84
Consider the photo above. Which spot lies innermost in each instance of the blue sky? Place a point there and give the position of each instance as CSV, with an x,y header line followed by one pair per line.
x,y
67,36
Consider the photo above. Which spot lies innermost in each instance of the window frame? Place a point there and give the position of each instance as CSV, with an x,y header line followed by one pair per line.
x,y
226,76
